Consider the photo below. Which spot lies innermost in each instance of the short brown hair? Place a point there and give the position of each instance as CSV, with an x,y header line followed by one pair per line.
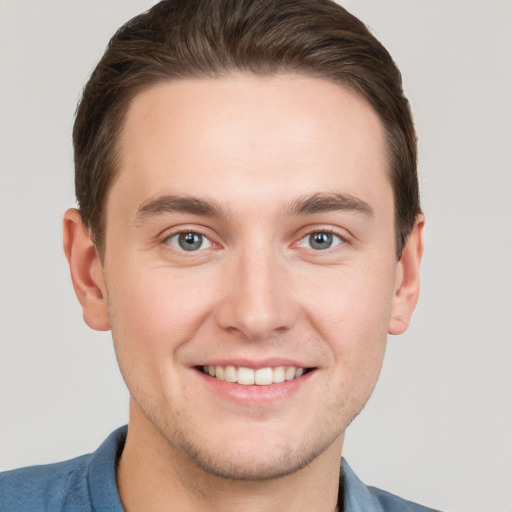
x,y
210,38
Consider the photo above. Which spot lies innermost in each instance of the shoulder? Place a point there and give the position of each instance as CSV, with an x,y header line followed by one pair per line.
x,y
45,487
357,497
78,485
392,503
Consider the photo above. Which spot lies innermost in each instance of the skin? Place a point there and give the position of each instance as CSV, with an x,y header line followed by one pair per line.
x,y
263,151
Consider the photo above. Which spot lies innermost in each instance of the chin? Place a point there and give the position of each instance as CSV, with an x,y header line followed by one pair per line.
x,y
255,460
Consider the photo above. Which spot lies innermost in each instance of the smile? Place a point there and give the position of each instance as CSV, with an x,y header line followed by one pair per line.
x,y
249,377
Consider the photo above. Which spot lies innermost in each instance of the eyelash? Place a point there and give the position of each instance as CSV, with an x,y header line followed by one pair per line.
x,y
167,240
333,233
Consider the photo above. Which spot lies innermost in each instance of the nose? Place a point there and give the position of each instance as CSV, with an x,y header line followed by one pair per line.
x,y
257,299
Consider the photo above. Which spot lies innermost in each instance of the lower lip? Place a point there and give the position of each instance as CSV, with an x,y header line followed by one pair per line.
x,y
253,395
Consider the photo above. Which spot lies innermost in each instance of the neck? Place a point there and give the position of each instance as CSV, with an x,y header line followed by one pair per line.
x,y
151,475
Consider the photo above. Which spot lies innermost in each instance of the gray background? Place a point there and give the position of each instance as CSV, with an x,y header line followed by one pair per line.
x,y
438,429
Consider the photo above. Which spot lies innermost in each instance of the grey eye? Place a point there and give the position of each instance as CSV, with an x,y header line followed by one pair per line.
x,y
321,240
189,241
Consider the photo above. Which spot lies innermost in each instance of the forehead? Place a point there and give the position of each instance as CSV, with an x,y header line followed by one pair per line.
x,y
284,134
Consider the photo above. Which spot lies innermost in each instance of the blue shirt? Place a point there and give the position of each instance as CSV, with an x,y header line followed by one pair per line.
x,y
88,483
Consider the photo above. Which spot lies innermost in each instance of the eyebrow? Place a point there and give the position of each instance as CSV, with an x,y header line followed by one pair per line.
x,y
178,204
305,205
328,202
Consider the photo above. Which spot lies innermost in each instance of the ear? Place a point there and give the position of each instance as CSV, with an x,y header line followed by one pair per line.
x,y
407,283
86,271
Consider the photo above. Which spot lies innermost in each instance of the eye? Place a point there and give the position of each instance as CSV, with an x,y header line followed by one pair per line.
x,y
320,240
189,241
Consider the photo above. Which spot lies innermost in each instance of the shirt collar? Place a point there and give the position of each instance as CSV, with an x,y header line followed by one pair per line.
x,y
356,496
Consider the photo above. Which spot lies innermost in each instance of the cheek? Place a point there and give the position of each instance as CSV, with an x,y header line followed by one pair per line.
x,y
152,317
352,313
360,299
354,322
153,314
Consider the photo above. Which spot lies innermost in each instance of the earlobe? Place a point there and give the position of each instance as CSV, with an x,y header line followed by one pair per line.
x,y
86,271
407,280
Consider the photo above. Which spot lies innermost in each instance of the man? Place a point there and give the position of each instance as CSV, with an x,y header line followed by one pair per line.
x,y
249,229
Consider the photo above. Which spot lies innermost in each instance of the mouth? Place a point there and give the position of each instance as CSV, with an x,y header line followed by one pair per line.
x,y
250,377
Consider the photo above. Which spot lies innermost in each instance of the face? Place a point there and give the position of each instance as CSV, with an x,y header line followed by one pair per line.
x,y
250,272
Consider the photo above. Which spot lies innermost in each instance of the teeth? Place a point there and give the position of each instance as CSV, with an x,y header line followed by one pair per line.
x,y
245,376
278,375
263,376
289,373
249,377
230,374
